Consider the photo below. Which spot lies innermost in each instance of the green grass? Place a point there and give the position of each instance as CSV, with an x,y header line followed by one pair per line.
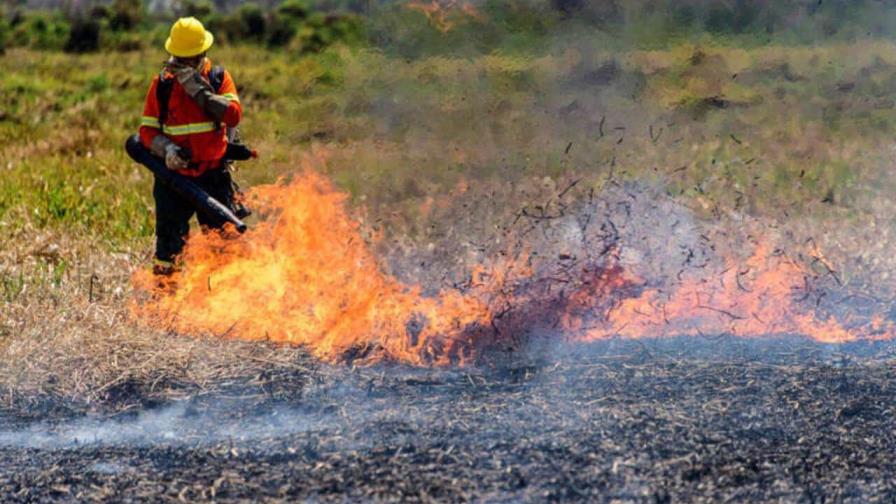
x,y
761,129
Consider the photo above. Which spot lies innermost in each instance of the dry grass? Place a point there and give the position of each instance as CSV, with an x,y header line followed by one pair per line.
x,y
66,339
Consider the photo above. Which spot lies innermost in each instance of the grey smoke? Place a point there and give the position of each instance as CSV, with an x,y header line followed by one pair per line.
x,y
174,424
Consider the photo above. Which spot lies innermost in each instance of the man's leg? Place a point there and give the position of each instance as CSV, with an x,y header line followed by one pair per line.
x,y
172,226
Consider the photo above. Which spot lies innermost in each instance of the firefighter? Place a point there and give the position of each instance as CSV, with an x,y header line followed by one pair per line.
x,y
191,110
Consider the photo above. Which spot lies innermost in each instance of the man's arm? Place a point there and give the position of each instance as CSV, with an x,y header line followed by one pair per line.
x,y
224,107
151,132
149,123
234,113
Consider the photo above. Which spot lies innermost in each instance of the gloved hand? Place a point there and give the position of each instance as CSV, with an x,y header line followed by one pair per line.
x,y
198,88
163,147
192,82
173,159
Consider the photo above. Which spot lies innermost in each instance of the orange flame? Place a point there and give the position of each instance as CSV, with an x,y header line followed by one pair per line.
x,y
304,275
754,298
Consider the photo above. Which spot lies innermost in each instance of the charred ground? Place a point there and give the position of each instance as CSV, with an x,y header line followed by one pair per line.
x,y
649,421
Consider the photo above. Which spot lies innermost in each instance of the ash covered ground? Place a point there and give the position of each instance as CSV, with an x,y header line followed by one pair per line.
x,y
668,420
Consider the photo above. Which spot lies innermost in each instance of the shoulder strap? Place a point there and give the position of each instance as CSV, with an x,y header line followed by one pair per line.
x,y
163,95
216,78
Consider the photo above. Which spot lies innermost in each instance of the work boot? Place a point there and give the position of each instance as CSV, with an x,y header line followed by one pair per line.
x,y
163,268
163,273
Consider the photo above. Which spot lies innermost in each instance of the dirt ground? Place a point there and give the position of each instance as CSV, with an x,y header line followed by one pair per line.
x,y
682,420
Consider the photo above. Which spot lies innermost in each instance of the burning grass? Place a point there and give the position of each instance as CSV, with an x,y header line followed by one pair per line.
x,y
569,270
576,262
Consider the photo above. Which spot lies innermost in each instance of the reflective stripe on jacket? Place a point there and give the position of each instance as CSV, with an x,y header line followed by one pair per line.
x,y
189,126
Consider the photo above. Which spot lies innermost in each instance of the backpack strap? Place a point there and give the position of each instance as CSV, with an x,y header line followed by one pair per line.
x,y
163,95
216,78
165,85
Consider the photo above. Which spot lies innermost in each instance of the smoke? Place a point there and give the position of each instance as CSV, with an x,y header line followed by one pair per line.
x,y
179,424
652,92
328,405
538,391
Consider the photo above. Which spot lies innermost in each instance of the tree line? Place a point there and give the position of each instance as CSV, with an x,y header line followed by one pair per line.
x,y
126,25
419,26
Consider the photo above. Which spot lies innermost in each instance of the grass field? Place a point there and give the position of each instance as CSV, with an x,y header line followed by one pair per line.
x,y
767,127
789,132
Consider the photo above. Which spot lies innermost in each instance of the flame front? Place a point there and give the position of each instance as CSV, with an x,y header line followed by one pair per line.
x,y
304,275
756,297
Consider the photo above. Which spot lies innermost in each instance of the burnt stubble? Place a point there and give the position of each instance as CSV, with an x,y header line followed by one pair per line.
x,y
665,420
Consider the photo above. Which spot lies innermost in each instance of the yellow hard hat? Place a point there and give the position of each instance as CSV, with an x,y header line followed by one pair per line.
x,y
188,38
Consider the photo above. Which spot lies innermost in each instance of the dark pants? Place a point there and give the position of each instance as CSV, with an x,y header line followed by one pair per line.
x,y
173,213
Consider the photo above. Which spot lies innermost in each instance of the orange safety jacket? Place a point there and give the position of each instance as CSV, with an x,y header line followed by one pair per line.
x,y
188,126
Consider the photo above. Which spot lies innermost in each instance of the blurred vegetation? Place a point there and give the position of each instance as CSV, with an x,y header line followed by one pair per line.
x,y
125,25
427,27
